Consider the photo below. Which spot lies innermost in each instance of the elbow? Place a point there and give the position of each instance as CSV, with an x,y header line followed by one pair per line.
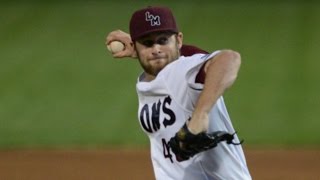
x,y
232,62
233,57
236,58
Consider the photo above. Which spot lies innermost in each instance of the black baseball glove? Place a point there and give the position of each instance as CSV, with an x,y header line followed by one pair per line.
x,y
185,144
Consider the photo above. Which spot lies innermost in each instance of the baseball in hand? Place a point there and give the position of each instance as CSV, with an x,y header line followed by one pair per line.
x,y
115,46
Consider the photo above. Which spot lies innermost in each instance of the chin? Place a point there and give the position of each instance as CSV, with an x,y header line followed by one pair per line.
x,y
156,70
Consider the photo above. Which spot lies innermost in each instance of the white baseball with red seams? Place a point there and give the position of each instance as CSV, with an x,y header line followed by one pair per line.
x,y
115,46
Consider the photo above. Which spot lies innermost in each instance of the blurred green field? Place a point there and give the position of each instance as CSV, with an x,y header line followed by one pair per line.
x,y
59,87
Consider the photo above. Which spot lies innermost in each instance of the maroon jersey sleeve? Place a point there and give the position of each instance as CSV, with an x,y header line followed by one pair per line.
x,y
189,50
201,76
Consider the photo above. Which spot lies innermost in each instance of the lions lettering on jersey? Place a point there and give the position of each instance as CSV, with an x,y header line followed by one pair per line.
x,y
150,115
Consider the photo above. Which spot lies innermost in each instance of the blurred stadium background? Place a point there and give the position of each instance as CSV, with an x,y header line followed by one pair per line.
x,y
59,87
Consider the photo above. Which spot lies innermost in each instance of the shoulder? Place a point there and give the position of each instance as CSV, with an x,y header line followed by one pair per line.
x,y
189,50
185,63
195,59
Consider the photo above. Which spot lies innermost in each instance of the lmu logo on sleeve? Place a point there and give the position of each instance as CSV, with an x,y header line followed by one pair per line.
x,y
154,20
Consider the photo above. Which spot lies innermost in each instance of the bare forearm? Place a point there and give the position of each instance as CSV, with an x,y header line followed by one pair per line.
x,y
221,72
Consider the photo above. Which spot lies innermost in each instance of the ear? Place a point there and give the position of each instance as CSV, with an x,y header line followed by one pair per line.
x,y
134,54
180,39
134,51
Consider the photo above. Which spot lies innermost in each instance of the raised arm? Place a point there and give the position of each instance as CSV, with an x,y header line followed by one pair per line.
x,y
220,73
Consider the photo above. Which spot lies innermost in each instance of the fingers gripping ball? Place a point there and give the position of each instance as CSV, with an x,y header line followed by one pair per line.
x,y
185,144
115,46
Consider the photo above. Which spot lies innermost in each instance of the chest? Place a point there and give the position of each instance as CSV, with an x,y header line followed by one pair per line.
x,y
161,115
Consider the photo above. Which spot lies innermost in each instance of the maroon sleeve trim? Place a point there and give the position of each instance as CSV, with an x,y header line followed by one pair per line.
x,y
189,50
201,76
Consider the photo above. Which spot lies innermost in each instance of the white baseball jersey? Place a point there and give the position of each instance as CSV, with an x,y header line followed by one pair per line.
x,y
165,104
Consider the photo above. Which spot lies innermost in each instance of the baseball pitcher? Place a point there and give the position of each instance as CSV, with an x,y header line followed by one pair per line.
x,y
181,107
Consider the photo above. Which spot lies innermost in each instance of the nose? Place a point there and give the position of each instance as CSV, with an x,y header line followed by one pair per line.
x,y
156,49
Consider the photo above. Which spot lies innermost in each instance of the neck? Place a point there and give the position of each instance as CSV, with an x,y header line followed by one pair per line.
x,y
145,77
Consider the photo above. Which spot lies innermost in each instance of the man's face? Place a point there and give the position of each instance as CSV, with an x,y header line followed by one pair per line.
x,y
156,50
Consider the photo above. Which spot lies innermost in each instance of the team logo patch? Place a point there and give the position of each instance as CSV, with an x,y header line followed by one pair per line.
x,y
154,20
